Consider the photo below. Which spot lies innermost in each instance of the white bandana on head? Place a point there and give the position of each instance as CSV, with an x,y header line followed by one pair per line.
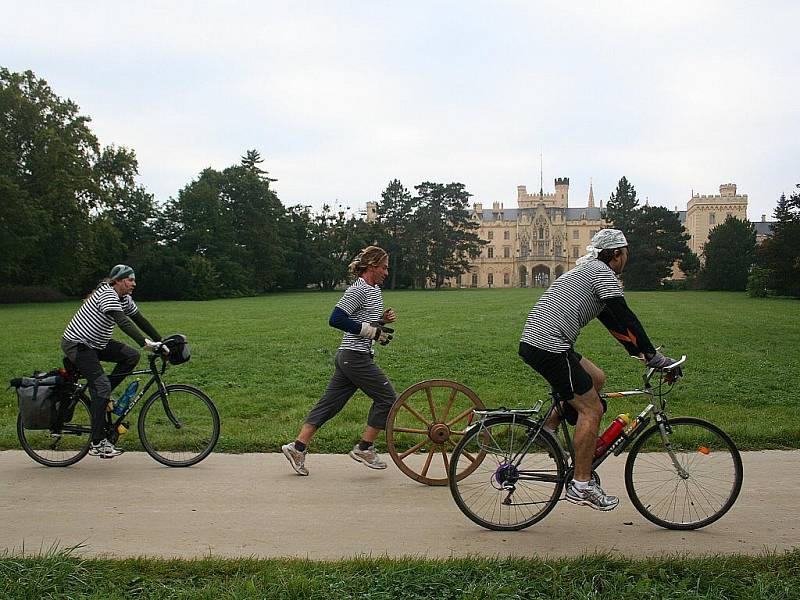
x,y
605,239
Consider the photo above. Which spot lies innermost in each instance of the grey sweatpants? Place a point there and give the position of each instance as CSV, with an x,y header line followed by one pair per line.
x,y
355,371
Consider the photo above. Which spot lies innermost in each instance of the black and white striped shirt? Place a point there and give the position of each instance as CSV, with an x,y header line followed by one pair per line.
x,y
92,325
568,305
363,302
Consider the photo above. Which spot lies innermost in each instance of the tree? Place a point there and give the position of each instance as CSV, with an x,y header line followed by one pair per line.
x,y
442,221
690,264
729,255
56,186
779,255
656,239
621,206
394,212
251,160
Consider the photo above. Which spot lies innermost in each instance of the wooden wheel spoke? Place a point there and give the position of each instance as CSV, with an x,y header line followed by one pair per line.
x,y
465,413
429,394
449,404
428,461
411,430
416,414
446,461
413,449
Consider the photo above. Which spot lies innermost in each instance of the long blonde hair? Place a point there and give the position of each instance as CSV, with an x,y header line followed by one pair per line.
x,y
369,257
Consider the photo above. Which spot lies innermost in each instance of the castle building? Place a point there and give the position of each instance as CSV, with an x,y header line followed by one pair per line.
x,y
543,238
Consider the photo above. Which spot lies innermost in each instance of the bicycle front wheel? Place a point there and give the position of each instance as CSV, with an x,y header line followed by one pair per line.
x,y
179,428
507,482
62,446
685,477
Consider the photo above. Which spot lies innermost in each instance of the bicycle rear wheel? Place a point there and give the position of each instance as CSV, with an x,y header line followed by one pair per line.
x,y
181,428
510,483
693,490
62,446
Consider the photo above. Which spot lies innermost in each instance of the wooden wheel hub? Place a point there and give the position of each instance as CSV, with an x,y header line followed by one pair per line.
x,y
439,433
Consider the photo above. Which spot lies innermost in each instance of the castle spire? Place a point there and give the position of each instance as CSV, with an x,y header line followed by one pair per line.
x,y
591,194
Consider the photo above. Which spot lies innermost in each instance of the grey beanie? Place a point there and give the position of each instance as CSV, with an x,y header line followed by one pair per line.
x,y
121,272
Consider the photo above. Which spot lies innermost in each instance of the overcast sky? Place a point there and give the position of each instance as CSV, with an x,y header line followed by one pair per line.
x,y
342,97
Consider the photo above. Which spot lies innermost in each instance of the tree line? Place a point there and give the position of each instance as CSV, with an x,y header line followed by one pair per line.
x,y
71,209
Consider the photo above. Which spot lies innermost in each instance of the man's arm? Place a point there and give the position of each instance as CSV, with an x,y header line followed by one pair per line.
x,y
126,325
145,326
625,327
341,320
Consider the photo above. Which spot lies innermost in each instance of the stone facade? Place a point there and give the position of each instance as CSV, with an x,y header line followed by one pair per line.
x,y
703,213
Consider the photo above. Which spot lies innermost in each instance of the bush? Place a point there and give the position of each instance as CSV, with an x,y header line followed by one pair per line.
x,y
757,283
12,294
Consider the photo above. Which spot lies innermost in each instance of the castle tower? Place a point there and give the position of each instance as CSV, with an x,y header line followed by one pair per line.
x,y
704,212
591,195
562,192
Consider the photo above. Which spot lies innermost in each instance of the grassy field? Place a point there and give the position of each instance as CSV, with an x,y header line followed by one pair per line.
x,y
58,575
266,360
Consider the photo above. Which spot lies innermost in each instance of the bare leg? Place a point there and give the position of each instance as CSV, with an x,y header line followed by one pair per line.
x,y
307,432
370,434
598,380
590,411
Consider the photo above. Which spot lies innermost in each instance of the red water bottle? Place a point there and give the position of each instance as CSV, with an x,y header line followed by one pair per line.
x,y
610,435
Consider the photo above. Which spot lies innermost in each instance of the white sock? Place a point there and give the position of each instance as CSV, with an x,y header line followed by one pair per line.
x,y
580,485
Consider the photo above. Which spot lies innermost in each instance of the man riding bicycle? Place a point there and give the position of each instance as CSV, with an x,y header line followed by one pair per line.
x,y
591,289
87,341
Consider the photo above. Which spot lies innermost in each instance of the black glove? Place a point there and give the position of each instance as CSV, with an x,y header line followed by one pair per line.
x,y
377,330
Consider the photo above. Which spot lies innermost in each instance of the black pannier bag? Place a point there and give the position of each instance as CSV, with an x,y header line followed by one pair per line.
x,y
179,351
38,397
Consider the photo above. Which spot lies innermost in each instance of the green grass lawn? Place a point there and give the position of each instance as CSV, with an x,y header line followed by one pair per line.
x,y
59,575
266,360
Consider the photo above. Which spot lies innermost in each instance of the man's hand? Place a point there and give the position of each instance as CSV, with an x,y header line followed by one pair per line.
x,y
389,315
377,331
155,347
659,361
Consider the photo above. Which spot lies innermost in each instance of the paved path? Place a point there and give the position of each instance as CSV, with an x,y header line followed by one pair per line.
x,y
254,505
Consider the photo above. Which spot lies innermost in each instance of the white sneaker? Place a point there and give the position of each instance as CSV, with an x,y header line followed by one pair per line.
x,y
369,457
104,449
296,458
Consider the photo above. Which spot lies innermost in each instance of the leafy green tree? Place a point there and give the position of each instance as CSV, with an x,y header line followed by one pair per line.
x,y
729,255
442,220
690,264
56,185
251,160
779,255
656,239
621,206
394,212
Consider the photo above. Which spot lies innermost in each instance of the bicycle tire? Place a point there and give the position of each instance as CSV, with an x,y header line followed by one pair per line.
x,y
708,488
61,447
537,478
195,435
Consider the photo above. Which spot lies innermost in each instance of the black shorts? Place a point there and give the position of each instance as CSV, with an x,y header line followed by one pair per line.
x,y
564,373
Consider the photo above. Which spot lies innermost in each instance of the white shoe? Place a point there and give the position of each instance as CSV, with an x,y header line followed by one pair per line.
x,y
104,449
369,457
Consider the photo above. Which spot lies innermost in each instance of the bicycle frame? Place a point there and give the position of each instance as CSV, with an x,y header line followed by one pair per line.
x,y
656,405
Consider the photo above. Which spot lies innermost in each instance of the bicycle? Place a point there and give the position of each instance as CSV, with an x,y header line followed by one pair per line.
x,y
507,472
178,424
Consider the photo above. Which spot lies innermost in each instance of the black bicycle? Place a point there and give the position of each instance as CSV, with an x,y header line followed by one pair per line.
x,y
178,424
508,472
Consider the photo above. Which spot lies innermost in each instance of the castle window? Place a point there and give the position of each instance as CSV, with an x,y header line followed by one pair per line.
x,y
490,252
506,252
506,279
505,234
575,252
541,232
576,234
474,280
712,219
491,235
490,279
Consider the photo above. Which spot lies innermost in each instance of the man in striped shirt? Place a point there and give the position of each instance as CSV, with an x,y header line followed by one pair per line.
x,y
87,341
361,316
589,290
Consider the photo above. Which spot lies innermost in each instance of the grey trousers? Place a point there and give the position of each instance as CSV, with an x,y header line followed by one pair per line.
x,y
355,371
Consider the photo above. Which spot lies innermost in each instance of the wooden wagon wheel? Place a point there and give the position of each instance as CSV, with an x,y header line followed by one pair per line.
x,y
425,423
